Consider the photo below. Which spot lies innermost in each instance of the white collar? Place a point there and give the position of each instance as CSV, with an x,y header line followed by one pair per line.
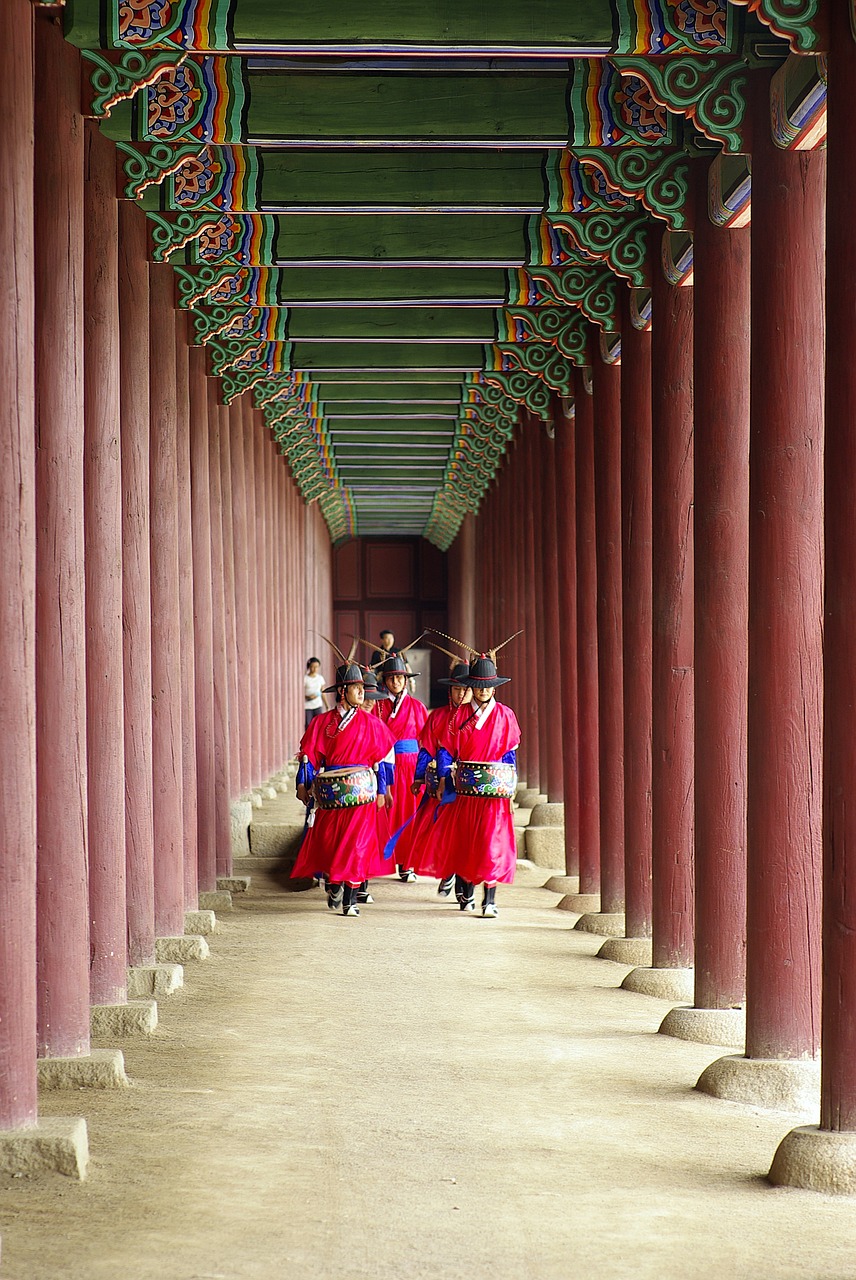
x,y
483,712
398,703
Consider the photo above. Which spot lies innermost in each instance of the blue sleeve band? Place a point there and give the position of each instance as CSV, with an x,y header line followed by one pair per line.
x,y
422,762
510,757
444,763
306,774
385,777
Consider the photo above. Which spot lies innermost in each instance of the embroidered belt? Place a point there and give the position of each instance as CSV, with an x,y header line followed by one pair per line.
x,y
431,779
345,788
406,747
493,780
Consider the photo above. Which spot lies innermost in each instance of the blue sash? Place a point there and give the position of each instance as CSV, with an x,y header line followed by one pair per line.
x,y
406,747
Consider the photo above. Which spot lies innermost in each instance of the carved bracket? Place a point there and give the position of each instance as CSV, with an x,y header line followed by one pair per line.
x,y
149,168
708,91
171,234
660,181
620,242
800,22
112,82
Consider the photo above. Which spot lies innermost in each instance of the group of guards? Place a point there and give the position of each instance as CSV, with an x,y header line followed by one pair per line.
x,y
389,785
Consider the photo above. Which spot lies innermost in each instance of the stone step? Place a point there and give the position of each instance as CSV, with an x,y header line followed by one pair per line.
x,y
277,840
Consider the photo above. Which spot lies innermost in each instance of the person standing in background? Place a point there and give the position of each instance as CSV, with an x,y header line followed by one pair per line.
x,y
314,701
386,650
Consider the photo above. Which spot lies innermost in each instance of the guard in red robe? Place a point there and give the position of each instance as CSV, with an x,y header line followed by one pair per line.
x,y
346,769
405,717
420,843
479,752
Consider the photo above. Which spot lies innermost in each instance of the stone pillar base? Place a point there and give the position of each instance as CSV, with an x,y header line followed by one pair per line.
x,y
707,1026
608,923
582,903
545,845
528,797
778,1084
200,922
268,792
100,1069
181,950
57,1144
216,900
256,799
816,1160
635,951
147,980
563,884
114,1021
663,984
234,884
240,817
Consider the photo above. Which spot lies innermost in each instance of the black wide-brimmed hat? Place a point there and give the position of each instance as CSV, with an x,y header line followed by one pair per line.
x,y
482,674
347,673
374,693
460,672
396,666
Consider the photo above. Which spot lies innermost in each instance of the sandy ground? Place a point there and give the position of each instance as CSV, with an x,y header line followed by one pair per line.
x,y
416,1093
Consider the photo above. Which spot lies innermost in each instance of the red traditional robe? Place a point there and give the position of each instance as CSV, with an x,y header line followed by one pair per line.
x,y
416,846
476,839
404,717
346,844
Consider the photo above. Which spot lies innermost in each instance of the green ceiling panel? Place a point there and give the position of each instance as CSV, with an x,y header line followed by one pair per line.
x,y
375,324
403,356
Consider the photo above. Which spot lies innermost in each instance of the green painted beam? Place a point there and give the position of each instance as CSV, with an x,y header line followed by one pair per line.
x,y
378,324
375,239
406,357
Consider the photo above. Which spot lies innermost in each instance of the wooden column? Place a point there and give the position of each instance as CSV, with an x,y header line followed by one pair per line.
x,y
185,589
240,550
566,560
102,489
607,491
721,272
672,603
587,641
529,478
263,578
63,932
230,599
204,572
462,560
18,1102
838,1057
785,606
551,647
136,582
253,568
221,739
636,569
167,766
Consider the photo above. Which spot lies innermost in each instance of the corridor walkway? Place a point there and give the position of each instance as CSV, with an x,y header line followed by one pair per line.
x,y
416,1094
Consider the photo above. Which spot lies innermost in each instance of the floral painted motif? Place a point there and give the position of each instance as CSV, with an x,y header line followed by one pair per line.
x,y
640,113
141,20
173,103
703,22
196,178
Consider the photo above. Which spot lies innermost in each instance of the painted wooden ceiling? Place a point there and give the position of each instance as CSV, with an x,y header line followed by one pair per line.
x,y
396,224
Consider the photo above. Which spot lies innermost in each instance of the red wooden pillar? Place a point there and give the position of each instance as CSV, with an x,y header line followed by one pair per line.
x,y
18,1103
167,767
253,574
550,560
279,655
672,605
721,272
462,563
587,697
529,479
263,577
230,598
102,489
136,582
785,584
838,1058
240,548
204,571
607,492
566,561
221,740
636,569
185,587
63,933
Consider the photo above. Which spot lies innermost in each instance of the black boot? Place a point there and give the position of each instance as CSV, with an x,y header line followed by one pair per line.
x,y
334,896
444,888
489,901
349,900
466,898
363,895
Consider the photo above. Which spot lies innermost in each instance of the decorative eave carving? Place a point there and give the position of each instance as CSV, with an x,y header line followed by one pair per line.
x,y
149,167
621,242
710,92
660,181
800,22
116,78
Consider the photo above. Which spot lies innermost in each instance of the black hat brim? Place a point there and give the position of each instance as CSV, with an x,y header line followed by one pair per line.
x,y
484,682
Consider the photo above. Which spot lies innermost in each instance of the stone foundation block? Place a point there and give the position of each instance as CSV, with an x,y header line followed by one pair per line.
x,y
563,884
57,1144
155,980
706,1026
545,846
275,839
268,792
663,984
549,814
257,799
216,900
133,1018
635,951
181,950
240,817
580,902
100,1069
816,1160
234,884
776,1084
610,924
202,922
